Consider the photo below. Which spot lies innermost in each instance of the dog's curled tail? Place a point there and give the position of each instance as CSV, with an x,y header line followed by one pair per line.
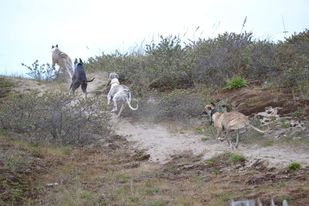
x,y
257,129
91,80
129,102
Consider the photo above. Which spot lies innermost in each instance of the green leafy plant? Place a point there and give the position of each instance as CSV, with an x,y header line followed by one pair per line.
x,y
236,158
294,166
235,82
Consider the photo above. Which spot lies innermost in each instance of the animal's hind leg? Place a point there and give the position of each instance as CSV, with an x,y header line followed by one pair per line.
x,y
219,133
237,139
73,87
84,89
115,105
121,109
228,138
109,98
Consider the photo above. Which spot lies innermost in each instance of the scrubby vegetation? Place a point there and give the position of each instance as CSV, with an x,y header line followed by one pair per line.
x,y
173,63
41,72
56,118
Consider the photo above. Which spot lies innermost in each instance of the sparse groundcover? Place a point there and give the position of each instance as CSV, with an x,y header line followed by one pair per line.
x,y
5,87
20,163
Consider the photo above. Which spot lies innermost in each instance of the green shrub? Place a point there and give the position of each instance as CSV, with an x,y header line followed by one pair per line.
x,y
236,158
235,83
294,166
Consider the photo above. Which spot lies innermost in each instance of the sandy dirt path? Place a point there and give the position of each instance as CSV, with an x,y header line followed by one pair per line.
x,y
161,143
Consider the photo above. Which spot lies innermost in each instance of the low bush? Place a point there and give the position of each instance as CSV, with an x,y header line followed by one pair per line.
x,y
56,118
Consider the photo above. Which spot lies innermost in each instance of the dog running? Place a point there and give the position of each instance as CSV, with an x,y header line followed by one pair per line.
x,y
228,122
62,60
119,93
79,78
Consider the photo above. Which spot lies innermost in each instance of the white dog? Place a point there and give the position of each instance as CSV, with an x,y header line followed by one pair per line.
x,y
119,94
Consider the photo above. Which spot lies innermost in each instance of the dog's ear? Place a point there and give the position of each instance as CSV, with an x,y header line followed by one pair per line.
x,y
53,46
75,61
208,107
56,45
80,61
213,104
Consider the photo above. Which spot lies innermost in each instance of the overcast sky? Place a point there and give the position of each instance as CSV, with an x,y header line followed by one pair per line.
x,y
85,28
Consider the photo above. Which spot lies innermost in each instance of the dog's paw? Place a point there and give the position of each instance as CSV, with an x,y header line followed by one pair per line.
x,y
220,139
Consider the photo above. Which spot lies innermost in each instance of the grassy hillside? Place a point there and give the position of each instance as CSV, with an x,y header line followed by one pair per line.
x,y
57,149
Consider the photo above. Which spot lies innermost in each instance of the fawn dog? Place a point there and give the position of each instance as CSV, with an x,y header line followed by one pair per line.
x,y
63,60
228,122
119,93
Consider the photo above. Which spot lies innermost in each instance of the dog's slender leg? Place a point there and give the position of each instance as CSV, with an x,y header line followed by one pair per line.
x,y
237,138
219,132
121,109
115,105
229,139
84,89
109,98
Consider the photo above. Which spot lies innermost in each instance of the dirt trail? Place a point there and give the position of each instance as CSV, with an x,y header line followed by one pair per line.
x,y
161,143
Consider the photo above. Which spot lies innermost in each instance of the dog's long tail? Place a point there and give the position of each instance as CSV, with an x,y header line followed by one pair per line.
x,y
129,97
91,80
257,129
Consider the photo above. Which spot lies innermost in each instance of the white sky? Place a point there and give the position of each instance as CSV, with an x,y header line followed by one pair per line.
x,y
85,28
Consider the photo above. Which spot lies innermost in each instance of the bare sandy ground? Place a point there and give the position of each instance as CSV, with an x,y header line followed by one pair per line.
x,y
161,144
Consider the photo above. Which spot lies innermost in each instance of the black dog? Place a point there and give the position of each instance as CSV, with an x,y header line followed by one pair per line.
x,y
79,78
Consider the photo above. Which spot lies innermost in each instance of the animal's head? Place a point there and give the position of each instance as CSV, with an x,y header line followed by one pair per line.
x,y
209,108
113,75
54,47
78,63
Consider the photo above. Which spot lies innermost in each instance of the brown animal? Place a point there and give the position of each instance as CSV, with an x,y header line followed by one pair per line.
x,y
228,122
63,60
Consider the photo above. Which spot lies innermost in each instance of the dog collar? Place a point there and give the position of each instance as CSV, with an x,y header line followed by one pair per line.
x,y
114,81
211,114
